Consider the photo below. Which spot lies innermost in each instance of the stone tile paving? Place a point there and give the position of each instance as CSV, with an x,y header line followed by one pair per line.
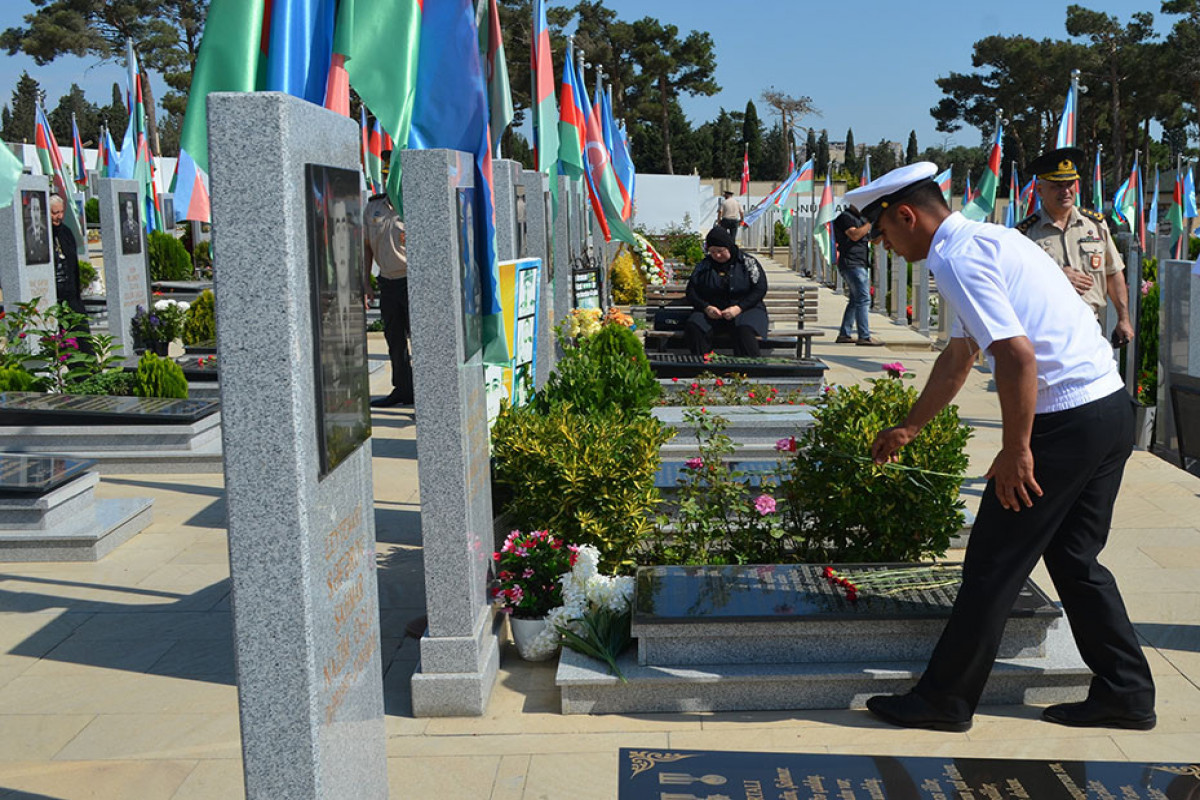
x,y
116,678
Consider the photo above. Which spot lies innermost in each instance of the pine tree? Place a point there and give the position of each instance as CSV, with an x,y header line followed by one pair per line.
x,y
822,164
23,117
912,153
752,138
116,116
810,145
74,102
852,164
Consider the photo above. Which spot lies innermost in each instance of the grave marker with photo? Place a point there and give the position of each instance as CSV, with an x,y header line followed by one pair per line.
x,y
26,268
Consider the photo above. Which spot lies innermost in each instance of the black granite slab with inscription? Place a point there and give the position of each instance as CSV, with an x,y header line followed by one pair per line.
x,y
686,365
206,348
700,774
29,408
792,592
197,367
25,476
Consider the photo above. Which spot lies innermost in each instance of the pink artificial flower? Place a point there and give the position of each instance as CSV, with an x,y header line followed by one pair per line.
x,y
894,370
528,573
694,463
765,504
1146,287
522,552
516,594
787,445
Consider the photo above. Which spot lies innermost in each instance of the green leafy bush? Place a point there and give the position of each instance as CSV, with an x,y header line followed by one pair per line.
x,y
159,377
782,236
628,286
200,320
15,379
169,259
87,274
91,211
203,254
688,248
588,477
115,382
843,508
596,372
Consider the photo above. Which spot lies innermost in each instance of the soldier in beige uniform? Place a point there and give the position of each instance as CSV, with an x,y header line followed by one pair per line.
x,y
1077,238
385,245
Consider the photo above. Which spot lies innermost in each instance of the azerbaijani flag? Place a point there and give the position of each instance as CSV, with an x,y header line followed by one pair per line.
x,y
824,224
1014,197
600,170
1125,203
143,156
1152,214
622,163
1175,217
785,190
106,155
364,146
375,157
300,48
804,181
450,111
1029,199
745,187
983,205
1066,125
943,182
10,173
495,69
571,121
1189,193
772,199
1097,186
545,110
865,178
77,164
968,195
50,158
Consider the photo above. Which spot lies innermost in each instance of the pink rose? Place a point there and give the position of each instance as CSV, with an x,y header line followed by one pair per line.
x,y
765,504
694,463
787,445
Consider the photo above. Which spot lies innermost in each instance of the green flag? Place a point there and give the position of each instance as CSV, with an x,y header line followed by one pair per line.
x,y
495,70
10,173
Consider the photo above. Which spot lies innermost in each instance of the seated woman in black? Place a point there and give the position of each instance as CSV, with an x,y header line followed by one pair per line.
x,y
727,290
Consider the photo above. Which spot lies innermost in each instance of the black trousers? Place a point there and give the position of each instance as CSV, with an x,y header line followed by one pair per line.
x,y
731,225
699,340
393,308
1079,458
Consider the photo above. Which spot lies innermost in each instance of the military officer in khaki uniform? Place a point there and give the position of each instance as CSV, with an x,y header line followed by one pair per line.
x,y
1077,238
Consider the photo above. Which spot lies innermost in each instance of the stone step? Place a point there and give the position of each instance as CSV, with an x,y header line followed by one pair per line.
x,y
588,688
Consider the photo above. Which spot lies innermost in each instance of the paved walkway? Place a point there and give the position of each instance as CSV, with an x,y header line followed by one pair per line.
x,y
117,681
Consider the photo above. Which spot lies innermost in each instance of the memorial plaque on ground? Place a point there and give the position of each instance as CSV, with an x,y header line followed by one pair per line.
x,y
748,593
686,365
715,775
198,367
30,408
36,475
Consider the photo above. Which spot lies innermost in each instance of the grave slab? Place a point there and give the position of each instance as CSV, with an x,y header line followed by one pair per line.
x,y
126,274
297,474
26,263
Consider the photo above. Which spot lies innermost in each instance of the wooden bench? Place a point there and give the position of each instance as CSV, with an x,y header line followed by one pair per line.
x,y
788,310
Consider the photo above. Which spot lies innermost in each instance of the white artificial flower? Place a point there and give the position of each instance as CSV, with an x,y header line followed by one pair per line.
x,y
184,305
163,305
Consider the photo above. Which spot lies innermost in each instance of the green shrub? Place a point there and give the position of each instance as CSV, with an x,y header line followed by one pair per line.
x,y
87,274
91,211
782,237
159,377
200,320
117,383
203,254
586,477
169,259
628,287
688,248
597,372
843,508
15,379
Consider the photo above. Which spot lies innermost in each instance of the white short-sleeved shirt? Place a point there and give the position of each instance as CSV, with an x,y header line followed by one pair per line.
x,y
1001,285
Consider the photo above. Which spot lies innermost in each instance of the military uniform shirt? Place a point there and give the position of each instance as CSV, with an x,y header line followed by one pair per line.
x,y
1084,245
731,208
385,235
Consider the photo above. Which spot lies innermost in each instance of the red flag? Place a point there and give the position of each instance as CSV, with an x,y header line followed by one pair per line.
x,y
745,172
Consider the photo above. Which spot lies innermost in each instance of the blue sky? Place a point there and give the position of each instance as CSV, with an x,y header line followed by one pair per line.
x,y
868,65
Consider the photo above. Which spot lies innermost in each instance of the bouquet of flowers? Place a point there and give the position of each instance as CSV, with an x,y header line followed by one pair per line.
x,y
162,324
528,568
581,322
594,618
650,262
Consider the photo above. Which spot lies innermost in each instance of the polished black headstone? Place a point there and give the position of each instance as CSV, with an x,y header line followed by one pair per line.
x,y
198,367
708,774
686,365
29,408
37,475
754,593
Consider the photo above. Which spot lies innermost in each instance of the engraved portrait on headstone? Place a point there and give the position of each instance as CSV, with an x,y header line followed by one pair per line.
x,y
335,248
131,227
37,227
522,243
472,284
168,212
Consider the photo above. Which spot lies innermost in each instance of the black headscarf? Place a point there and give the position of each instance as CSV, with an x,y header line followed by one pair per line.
x,y
719,237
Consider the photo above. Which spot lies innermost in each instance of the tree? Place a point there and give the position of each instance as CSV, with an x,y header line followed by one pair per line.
x,y
23,117
604,40
853,166
810,145
752,139
822,165
726,148
774,161
166,36
73,102
515,16
883,157
790,110
115,116
912,153
1118,49
1183,43
668,66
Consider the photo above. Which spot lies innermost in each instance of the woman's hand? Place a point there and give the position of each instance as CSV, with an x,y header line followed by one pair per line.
x,y
731,312
712,312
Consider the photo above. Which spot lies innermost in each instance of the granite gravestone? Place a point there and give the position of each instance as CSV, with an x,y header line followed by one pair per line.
x,y
715,775
506,177
459,652
539,244
126,275
301,546
26,268
35,408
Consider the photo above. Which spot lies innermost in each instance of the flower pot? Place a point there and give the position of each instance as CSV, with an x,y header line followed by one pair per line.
x,y
158,348
525,633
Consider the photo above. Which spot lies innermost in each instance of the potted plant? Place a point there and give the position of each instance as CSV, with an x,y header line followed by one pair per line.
x,y
154,330
527,586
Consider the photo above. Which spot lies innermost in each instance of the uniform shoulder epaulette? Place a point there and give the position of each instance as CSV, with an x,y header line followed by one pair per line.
x,y
1024,225
1090,214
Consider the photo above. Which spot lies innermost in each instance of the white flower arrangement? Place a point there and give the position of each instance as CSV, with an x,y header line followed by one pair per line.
x,y
584,588
163,305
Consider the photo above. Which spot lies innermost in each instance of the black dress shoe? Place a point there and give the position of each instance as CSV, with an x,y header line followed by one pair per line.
x,y
393,399
1090,714
912,711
